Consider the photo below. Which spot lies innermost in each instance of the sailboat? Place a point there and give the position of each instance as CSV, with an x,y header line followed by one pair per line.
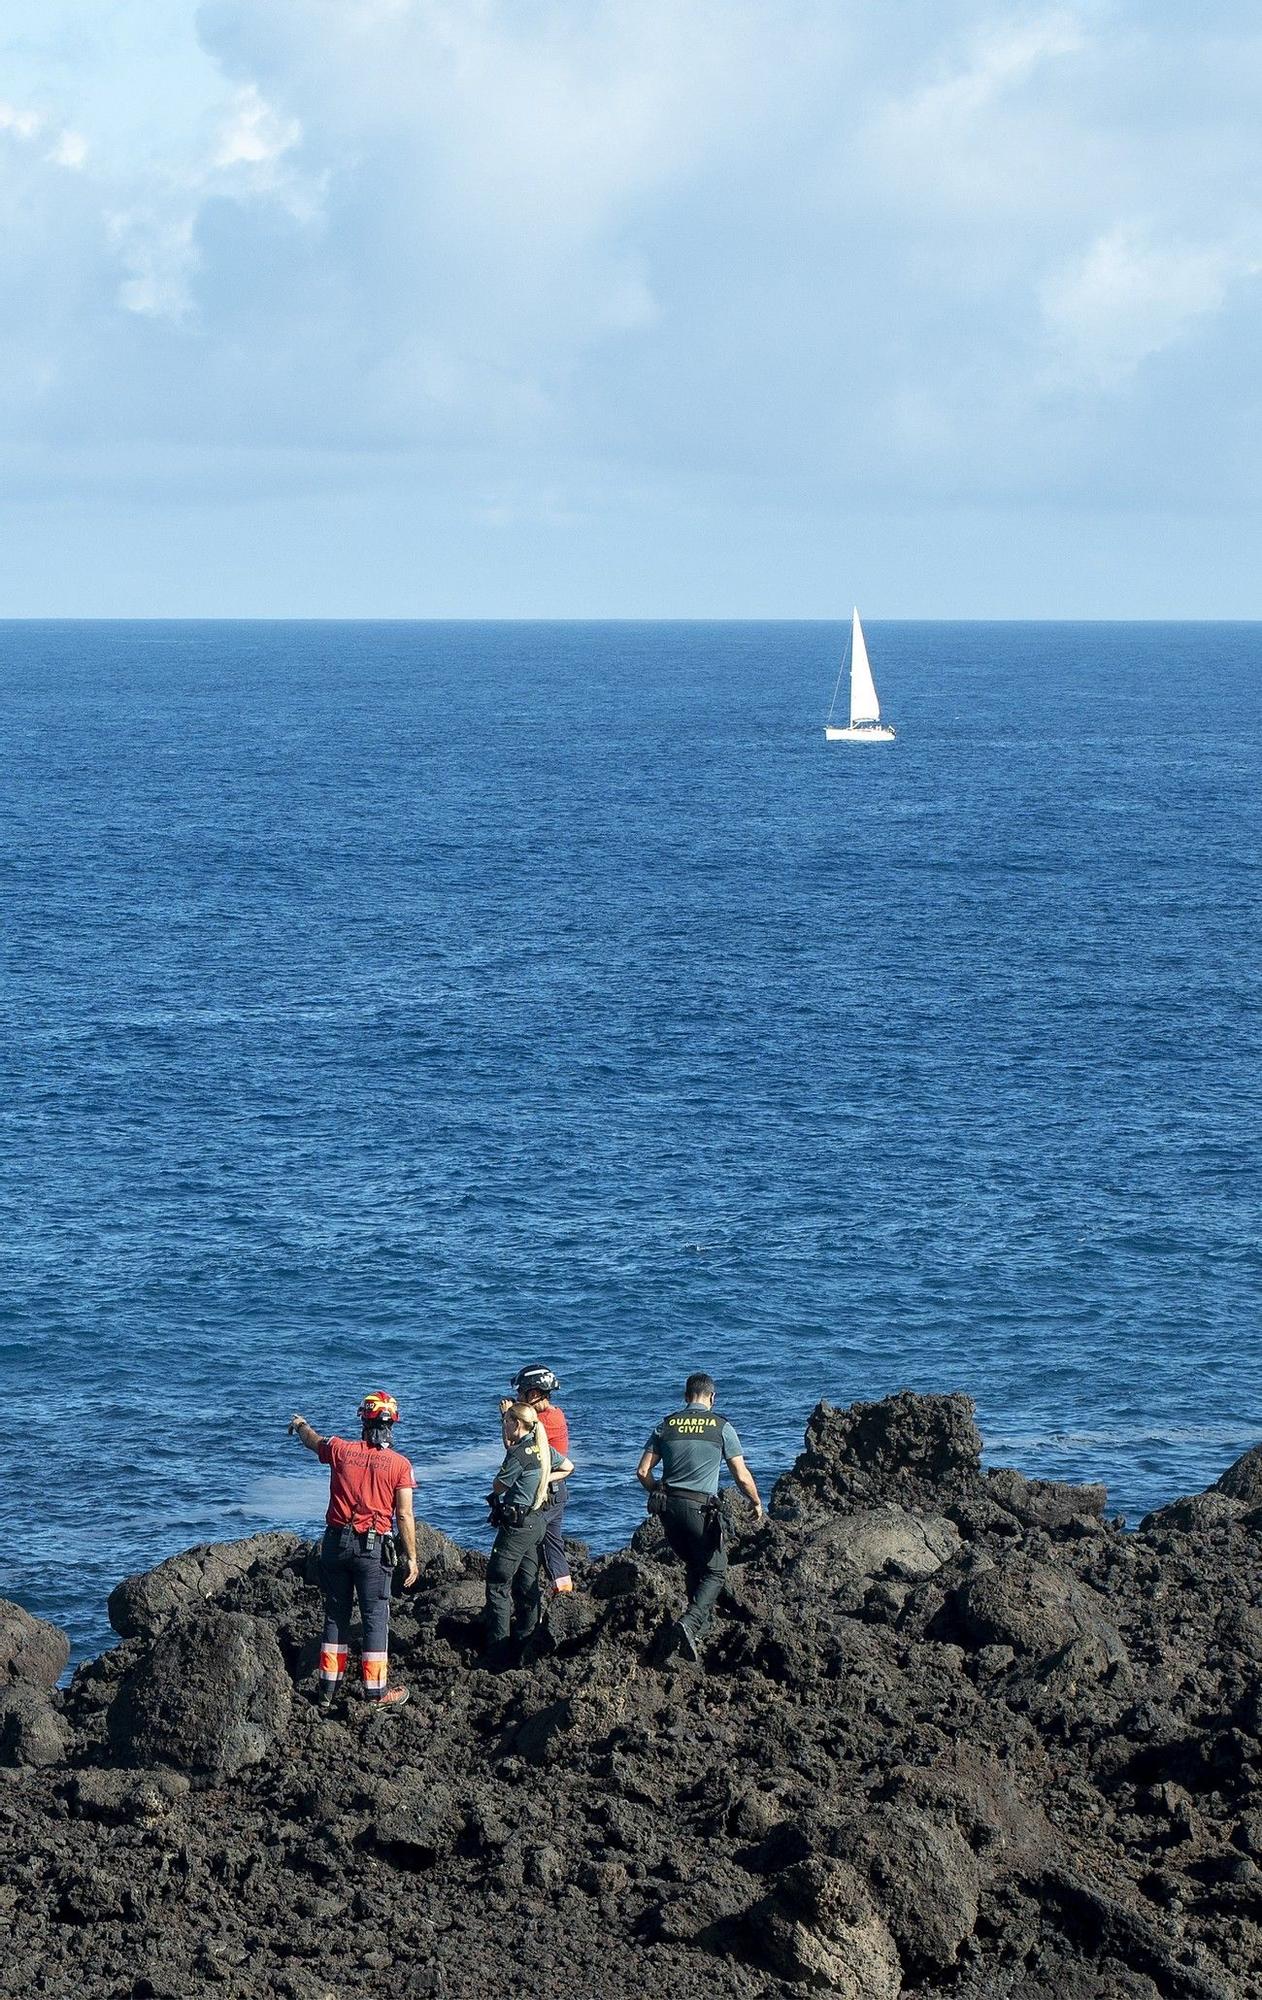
x,y
865,724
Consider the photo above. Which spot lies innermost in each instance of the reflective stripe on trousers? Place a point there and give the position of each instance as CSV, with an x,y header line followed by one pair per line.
x,y
348,1573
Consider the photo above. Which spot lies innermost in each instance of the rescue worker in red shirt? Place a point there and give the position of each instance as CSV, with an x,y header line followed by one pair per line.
x,y
370,1485
537,1385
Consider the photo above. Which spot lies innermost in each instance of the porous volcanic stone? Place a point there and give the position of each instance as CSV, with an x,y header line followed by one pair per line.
x,y
1044,1503
30,1649
1196,1513
209,1697
924,1880
32,1731
140,1605
1243,1479
906,1448
818,1925
1031,1607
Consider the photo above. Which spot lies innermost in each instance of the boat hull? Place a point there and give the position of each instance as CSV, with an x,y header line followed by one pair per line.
x,y
876,732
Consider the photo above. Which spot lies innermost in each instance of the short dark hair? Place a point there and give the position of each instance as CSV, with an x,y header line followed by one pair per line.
x,y
698,1385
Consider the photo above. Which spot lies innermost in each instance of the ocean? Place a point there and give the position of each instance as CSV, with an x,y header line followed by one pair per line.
x,y
392,1004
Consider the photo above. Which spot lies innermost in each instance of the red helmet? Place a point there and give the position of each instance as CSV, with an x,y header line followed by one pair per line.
x,y
378,1408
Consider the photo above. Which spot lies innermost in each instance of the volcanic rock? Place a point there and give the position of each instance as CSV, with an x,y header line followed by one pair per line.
x,y
1045,1503
954,1734
1194,1513
818,1926
32,1731
906,1448
30,1649
210,1696
141,1605
1033,1608
1243,1479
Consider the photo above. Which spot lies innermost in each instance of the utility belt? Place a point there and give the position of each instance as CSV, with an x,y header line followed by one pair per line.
x,y
706,1507
505,1513
366,1542
508,1514
708,1502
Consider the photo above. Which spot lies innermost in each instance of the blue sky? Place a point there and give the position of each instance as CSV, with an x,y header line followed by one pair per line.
x,y
630,308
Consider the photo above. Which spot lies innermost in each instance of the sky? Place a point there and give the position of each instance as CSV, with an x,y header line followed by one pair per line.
x,y
630,308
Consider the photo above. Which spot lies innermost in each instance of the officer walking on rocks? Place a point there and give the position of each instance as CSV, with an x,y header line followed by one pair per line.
x,y
691,1446
370,1484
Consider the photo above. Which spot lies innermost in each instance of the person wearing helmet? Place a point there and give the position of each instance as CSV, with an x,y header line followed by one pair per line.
x,y
692,1445
518,1502
537,1386
370,1486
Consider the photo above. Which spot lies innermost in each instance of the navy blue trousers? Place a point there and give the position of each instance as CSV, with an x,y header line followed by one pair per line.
x,y
349,1572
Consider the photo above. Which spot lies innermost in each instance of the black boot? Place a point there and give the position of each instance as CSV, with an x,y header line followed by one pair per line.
x,y
686,1641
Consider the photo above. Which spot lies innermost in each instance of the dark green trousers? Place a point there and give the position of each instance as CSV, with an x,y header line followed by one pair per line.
x,y
697,1539
512,1582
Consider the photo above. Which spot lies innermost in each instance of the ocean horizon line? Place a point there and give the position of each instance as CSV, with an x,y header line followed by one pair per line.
x,y
603,620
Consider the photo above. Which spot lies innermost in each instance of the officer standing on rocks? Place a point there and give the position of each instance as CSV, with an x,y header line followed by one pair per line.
x,y
537,1386
370,1484
691,1446
519,1513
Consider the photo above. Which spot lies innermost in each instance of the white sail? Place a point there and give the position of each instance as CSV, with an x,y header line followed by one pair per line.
x,y
864,706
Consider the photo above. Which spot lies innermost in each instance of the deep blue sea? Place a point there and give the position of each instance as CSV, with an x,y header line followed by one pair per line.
x,y
388,1005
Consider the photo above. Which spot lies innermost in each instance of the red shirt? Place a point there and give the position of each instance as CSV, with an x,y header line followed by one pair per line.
x,y
553,1421
363,1481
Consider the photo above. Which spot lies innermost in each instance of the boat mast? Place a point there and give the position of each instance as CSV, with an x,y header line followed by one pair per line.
x,y
845,661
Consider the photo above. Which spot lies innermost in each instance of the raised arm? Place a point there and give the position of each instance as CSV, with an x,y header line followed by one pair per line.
x,y
745,1480
301,1429
407,1533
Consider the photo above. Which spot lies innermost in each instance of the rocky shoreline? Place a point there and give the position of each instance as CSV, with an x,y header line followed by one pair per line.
x,y
956,1733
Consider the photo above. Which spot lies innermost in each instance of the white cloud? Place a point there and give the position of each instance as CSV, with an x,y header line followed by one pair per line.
x,y
22,124
1001,58
814,245
70,149
160,257
1128,297
984,125
243,160
253,134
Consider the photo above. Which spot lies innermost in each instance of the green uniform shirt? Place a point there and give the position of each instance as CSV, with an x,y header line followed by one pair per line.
x,y
518,1478
692,1444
